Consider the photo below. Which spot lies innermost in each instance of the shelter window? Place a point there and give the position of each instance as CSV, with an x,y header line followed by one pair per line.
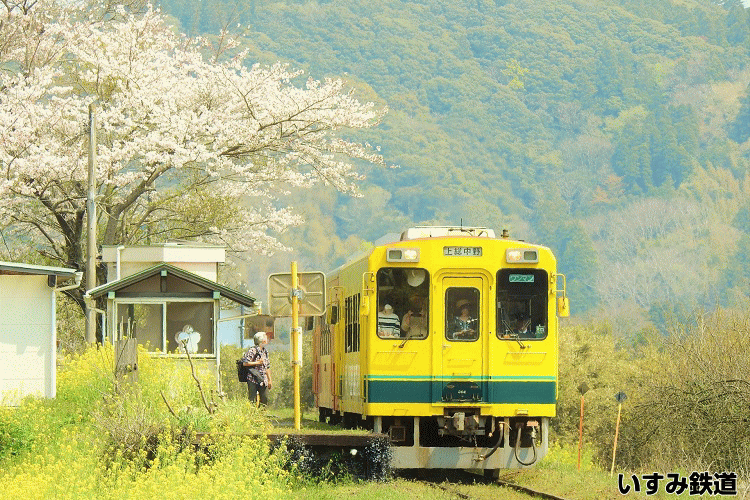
x,y
144,322
159,325
522,304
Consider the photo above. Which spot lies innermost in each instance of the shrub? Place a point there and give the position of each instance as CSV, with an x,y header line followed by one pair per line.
x,y
232,388
133,429
15,437
697,396
593,355
282,396
99,440
687,395
83,379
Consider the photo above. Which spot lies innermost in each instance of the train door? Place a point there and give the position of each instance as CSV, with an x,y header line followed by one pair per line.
x,y
464,319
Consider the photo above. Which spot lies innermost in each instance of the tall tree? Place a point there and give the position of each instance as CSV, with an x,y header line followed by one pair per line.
x,y
192,142
739,130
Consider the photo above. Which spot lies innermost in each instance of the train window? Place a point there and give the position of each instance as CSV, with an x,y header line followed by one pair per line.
x,y
403,303
325,337
351,324
522,304
461,314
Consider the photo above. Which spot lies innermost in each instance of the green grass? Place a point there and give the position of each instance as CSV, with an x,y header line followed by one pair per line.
x,y
95,442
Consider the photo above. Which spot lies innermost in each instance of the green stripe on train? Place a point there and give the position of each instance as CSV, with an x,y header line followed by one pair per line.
x,y
428,391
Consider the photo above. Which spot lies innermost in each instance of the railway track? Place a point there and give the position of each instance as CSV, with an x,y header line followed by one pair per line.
x,y
529,491
451,482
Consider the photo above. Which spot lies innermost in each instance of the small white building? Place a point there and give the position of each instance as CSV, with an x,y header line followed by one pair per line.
x,y
197,258
28,328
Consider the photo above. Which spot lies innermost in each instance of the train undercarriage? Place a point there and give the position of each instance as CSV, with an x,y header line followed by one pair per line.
x,y
459,439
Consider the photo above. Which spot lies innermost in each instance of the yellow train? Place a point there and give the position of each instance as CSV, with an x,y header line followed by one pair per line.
x,y
445,340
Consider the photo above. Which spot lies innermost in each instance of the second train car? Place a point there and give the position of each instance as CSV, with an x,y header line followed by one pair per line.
x,y
446,340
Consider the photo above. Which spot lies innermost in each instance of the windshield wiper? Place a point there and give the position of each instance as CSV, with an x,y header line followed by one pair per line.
x,y
405,340
516,337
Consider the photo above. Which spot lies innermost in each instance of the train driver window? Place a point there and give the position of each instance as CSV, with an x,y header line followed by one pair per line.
x,y
522,304
403,303
461,314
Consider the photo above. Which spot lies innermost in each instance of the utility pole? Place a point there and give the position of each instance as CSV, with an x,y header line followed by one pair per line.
x,y
296,361
91,248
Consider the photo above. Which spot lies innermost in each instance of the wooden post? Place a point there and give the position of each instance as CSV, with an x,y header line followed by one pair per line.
x,y
580,435
583,389
126,359
619,397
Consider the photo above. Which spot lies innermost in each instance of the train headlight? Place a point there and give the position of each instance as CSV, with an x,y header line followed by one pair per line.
x,y
402,255
521,256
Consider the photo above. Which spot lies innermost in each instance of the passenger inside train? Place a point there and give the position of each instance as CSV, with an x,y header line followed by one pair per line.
x,y
464,324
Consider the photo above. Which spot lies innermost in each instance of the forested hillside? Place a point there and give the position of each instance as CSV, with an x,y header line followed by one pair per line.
x,y
614,131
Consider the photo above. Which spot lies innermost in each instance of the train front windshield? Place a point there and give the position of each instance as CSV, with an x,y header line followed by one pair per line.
x,y
403,303
462,321
522,304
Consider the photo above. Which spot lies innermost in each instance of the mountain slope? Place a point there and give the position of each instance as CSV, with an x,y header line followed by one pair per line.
x,y
551,118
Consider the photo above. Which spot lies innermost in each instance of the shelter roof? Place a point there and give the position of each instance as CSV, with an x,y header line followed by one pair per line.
x,y
114,286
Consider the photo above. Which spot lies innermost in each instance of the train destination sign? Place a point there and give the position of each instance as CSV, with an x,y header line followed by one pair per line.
x,y
462,251
521,278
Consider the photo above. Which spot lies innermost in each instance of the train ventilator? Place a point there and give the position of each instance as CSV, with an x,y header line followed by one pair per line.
x,y
446,340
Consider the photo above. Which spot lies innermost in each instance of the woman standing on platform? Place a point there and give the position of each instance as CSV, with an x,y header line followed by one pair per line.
x,y
259,375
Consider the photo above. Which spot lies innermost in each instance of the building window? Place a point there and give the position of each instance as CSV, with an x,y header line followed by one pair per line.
x,y
195,316
143,322
158,325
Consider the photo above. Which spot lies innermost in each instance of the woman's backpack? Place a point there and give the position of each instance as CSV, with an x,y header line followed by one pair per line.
x,y
242,371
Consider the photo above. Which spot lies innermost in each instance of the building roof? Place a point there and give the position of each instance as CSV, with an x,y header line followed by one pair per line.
x,y
114,286
19,268
173,251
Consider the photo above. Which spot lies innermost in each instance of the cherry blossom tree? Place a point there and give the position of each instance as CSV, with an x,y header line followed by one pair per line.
x,y
192,142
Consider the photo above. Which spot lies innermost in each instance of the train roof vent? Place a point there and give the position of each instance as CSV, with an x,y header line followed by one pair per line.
x,y
418,232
